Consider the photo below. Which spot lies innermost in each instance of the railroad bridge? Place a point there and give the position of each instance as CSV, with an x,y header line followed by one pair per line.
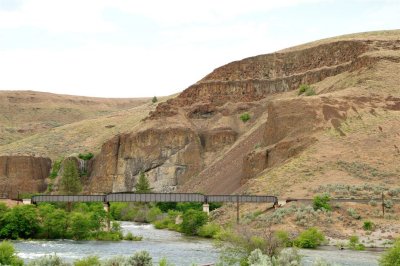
x,y
157,197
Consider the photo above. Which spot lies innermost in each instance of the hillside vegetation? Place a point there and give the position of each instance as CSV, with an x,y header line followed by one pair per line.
x,y
52,125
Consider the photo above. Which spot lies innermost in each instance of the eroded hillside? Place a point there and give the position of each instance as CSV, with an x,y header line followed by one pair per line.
x,y
197,141
26,113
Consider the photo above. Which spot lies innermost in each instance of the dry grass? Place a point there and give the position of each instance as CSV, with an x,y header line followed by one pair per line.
x,y
97,122
371,35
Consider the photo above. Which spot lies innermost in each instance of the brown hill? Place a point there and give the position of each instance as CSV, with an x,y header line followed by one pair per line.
x,y
26,113
37,127
340,136
206,147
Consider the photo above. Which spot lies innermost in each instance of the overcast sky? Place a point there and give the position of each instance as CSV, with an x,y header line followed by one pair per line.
x,y
129,48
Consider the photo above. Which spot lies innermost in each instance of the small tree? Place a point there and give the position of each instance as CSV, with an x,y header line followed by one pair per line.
x,y
192,220
154,100
70,182
322,202
143,185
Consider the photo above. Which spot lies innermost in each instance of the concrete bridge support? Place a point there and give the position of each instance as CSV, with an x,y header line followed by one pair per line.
x,y
106,206
206,208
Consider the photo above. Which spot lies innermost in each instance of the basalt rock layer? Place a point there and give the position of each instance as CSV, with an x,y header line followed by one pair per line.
x,y
24,174
197,141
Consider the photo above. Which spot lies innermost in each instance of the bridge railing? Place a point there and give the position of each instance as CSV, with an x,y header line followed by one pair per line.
x,y
241,198
67,198
153,197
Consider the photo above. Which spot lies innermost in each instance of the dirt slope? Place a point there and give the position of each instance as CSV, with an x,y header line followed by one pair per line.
x,y
25,113
213,151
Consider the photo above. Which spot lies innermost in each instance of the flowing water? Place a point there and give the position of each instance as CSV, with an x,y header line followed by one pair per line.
x,y
178,249
341,257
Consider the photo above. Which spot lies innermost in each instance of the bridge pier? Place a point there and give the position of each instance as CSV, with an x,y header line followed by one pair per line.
x,y
106,206
206,208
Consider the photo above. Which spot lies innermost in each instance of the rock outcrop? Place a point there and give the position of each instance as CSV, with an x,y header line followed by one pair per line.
x,y
23,174
197,142
168,156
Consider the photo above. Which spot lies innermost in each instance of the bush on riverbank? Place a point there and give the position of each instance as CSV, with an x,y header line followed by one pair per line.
x,y
392,256
310,238
192,221
88,261
209,230
140,258
8,255
84,222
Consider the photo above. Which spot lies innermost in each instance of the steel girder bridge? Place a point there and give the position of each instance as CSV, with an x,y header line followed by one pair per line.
x,y
157,197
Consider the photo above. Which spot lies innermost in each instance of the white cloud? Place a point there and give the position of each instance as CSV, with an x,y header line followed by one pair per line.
x,y
193,38
57,16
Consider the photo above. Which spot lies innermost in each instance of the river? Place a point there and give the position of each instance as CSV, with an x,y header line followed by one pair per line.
x,y
178,249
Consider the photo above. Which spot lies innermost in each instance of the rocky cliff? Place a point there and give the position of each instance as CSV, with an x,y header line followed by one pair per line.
x,y
23,174
197,141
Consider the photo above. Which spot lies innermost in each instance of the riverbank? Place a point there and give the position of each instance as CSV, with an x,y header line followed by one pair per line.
x,y
178,249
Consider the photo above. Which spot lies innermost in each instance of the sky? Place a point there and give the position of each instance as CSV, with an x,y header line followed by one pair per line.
x,y
130,48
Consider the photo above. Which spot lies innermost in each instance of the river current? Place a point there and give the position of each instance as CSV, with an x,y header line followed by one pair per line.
x,y
178,249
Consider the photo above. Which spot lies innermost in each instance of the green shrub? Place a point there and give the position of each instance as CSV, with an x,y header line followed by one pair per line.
x,y
310,238
368,225
153,214
310,92
237,246
108,236
129,236
256,258
283,238
192,220
185,206
307,90
8,256
392,256
166,206
140,258
353,213
20,222
162,224
388,203
164,262
48,260
354,243
321,202
123,211
88,261
373,203
116,261
86,156
154,100
209,230
289,256
245,117
56,167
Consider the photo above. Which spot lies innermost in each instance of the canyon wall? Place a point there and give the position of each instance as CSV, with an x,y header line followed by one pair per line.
x,y
23,174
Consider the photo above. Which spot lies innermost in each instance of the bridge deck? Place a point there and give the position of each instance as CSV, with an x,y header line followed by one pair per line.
x,y
153,197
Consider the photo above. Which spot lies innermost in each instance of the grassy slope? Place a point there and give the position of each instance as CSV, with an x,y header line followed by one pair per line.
x,y
62,125
361,164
